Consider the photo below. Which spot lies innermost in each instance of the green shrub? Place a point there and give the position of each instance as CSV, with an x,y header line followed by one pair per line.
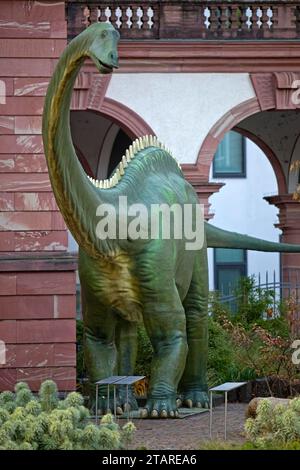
x,y
275,424
252,301
225,358
216,308
275,326
220,353
47,423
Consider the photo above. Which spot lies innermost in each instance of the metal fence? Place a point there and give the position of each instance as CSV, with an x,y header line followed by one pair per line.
x,y
285,287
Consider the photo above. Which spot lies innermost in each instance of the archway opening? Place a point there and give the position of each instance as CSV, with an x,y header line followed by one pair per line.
x,y
240,207
99,142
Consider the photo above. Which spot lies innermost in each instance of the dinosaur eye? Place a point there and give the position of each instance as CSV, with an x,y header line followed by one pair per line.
x,y
103,34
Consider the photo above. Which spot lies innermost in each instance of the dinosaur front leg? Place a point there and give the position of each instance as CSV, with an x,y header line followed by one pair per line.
x,y
126,340
100,353
164,320
193,385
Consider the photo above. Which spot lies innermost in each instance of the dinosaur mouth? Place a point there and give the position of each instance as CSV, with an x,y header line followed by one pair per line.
x,y
105,68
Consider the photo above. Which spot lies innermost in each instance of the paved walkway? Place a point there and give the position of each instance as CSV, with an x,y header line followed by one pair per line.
x,y
188,433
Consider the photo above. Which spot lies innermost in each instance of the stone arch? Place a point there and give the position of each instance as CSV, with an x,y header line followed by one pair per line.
x,y
280,177
230,121
89,94
126,118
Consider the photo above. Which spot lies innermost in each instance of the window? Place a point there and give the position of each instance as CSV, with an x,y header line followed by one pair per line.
x,y
230,266
229,160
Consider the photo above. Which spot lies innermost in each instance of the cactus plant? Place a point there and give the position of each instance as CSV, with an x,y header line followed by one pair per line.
x,y
279,424
46,423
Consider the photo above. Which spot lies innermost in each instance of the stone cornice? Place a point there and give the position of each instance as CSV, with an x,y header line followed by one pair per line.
x,y
212,56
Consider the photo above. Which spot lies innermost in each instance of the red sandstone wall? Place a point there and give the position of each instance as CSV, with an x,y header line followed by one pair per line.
x,y
37,302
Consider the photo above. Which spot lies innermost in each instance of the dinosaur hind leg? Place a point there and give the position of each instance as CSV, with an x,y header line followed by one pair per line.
x,y
193,386
100,352
164,319
126,340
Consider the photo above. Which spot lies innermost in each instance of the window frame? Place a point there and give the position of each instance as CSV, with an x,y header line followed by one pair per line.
x,y
242,173
243,266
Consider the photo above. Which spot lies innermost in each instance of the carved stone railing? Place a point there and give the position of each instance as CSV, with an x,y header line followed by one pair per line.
x,y
190,19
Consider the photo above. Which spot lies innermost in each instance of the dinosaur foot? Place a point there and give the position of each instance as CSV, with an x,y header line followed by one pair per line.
x,y
121,404
160,408
104,407
195,398
130,405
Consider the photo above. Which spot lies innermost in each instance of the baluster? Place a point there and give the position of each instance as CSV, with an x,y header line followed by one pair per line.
x,y
247,19
207,18
273,10
214,18
129,14
150,17
139,17
249,15
86,13
297,19
113,18
244,18
259,17
145,18
94,12
99,13
225,23
107,15
218,13
270,15
265,18
118,15
236,16
228,17
256,20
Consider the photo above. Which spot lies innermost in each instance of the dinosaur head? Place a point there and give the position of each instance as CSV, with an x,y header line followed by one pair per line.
x,y
103,46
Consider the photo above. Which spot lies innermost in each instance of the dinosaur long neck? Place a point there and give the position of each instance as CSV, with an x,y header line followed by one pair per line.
x,y
76,197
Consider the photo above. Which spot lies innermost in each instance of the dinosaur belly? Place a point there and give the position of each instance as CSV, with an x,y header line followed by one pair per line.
x,y
111,285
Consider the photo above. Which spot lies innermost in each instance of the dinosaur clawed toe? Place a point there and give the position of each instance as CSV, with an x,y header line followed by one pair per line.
x,y
123,404
195,399
160,408
131,404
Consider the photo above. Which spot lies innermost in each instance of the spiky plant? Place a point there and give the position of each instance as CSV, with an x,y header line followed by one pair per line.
x,y
48,395
279,424
47,423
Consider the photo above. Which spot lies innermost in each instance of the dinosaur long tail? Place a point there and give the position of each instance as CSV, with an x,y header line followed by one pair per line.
x,y
219,238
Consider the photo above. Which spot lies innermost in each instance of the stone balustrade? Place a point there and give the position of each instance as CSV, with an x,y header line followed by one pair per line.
x,y
204,20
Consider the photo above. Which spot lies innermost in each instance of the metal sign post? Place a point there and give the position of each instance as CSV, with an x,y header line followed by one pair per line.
x,y
225,387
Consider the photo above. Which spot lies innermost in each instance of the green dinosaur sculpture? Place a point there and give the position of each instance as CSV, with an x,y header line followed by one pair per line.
x,y
124,280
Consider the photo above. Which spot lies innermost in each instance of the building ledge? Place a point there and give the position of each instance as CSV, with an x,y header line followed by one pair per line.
x,y
38,262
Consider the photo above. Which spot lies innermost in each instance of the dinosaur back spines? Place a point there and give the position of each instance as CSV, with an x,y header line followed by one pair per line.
x,y
139,144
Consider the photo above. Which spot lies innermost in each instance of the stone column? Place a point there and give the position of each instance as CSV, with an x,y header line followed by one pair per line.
x,y
289,223
203,188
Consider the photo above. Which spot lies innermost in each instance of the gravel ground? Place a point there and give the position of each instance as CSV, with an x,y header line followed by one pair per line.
x,y
188,433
